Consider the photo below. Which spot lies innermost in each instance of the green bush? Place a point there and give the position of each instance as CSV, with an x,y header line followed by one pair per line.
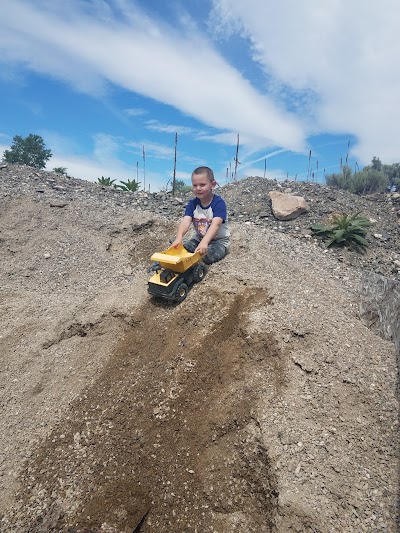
x,y
107,182
128,186
60,170
180,186
342,180
372,178
345,230
368,180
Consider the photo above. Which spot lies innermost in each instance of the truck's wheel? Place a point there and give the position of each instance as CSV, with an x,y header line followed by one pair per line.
x,y
181,291
199,272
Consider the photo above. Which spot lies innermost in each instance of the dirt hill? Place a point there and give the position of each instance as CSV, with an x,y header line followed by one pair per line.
x,y
262,403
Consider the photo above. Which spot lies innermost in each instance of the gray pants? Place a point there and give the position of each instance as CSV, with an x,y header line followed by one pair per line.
x,y
215,252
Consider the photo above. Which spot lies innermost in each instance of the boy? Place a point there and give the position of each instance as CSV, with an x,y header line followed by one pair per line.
x,y
208,213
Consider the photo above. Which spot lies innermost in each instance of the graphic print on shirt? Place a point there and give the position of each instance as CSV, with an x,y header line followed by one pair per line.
x,y
201,225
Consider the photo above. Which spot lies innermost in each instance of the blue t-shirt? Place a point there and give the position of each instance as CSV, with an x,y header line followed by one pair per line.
x,y
203,216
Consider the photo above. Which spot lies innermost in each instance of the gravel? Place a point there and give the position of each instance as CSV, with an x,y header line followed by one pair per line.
x,y
261,403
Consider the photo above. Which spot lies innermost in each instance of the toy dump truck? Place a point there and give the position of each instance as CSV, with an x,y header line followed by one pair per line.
x,y
174,270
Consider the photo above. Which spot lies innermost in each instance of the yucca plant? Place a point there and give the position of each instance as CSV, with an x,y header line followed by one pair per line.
x,y
344,230
105,181
131,186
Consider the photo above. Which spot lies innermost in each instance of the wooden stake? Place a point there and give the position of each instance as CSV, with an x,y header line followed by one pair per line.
x,y
174,178
144,169
236,157
309,159
347,155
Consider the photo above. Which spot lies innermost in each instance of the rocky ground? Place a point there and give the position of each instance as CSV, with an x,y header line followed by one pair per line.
x,y
261,403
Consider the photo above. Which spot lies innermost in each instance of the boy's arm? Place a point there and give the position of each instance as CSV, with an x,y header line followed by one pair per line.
x,y
208,237
182,230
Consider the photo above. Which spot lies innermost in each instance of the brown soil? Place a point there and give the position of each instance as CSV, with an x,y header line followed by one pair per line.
x,y
261,403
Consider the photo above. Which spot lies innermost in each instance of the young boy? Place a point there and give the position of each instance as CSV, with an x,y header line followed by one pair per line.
x,y
208,213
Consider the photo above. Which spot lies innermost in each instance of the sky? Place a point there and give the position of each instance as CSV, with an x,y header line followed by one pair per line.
x,y
103,81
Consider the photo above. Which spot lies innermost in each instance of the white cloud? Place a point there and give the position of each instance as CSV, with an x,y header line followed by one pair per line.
x,y
159,151
135,112
329,67
344,54
140,55
155,125
227,137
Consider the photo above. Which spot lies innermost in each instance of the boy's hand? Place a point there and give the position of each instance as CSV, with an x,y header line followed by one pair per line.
x,y
202,248
176,243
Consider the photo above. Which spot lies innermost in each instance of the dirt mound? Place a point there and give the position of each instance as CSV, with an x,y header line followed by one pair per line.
x,y
261,403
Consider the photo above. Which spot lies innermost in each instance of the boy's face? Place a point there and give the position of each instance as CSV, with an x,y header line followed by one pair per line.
x,y
202,188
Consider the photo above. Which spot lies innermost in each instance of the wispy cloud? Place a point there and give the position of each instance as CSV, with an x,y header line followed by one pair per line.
x,y
159,151
266,156
135,112
342,57
89,52
155,125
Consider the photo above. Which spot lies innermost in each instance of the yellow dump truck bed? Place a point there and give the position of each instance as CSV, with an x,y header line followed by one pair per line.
x,y
176,259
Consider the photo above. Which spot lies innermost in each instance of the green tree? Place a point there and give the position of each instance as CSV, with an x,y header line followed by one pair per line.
x,y
180,186
376,163
29,151
393,173
60,170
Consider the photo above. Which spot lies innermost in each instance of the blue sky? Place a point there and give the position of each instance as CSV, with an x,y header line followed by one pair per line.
x,y
101,79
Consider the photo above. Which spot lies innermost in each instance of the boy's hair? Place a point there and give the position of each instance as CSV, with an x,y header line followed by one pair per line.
x,y
204,170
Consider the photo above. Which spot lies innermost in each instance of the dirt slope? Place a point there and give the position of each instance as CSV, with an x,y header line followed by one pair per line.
x,y
261,403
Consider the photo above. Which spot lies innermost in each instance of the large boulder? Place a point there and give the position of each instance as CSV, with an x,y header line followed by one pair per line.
x,y
287,206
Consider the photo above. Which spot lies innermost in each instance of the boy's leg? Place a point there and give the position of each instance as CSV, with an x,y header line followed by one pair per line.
x,y
216,251
191,245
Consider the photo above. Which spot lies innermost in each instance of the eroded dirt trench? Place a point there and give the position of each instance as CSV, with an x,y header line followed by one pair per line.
x,y
167,438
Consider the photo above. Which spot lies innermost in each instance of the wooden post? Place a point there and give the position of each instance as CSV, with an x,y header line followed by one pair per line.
x,y
174,178
144,170
236,158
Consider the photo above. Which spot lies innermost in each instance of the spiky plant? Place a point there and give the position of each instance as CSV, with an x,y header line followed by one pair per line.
x,y
130,186
107,182
344,230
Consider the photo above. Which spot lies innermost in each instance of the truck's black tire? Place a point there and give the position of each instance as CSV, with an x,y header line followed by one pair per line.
x,y
199,271
181,291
